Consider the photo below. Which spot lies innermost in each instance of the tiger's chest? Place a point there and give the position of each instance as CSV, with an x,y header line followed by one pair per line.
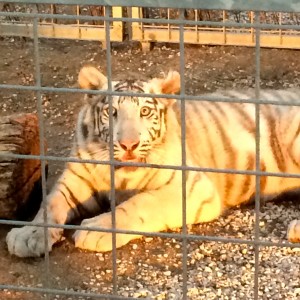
x,y
143,179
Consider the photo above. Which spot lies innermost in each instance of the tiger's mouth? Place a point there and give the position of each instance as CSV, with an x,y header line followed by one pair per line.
x,y
130,157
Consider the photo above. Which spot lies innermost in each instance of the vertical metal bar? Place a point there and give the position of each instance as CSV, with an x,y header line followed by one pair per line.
x,y
197,26
224,28
257,156
52,12
280,30
42,146
252,30
77,13
142,25
169,25
183,150
111,148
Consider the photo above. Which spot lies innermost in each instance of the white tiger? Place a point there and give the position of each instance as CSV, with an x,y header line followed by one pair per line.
x,y
147,130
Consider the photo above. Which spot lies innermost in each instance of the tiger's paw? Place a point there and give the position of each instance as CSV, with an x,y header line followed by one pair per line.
x,y
293,233
28,241
96,240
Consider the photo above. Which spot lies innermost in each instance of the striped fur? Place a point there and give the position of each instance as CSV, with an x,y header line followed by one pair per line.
x,y
147,130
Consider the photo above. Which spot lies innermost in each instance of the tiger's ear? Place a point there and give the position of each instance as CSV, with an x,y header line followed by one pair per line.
x,y
167,85
91,79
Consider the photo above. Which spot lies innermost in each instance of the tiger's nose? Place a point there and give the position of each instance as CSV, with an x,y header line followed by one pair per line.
x,y
129,145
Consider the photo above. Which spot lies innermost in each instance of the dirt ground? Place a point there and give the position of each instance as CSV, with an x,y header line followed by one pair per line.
x,y
206,69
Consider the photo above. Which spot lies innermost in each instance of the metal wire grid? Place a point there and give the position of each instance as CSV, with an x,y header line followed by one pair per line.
x,y
184,236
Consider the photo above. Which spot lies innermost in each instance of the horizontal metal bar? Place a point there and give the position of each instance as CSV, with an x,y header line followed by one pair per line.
x,y
146,165
226,24
61,292
204,97
254,5
179,236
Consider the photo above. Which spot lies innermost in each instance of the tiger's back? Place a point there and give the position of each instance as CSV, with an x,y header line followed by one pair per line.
x,y
222,135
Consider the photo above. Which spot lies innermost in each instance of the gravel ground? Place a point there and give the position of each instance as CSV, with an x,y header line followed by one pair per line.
x,y
152,267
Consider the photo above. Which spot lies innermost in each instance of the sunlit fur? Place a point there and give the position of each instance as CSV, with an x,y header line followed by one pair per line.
x,y
147,130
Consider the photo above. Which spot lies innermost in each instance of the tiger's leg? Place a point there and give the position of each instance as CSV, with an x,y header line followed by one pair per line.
x,y
293,232
72,197
152,211
29,241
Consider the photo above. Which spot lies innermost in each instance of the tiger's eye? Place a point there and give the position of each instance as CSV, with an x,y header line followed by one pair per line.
x,y
114,112
145,111
106,111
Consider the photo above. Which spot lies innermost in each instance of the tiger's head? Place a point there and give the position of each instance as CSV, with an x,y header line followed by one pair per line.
x,y
139,123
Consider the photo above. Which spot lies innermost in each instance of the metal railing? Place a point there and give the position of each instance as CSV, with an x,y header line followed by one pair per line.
x,y
215,27
203,26
59,21
180,23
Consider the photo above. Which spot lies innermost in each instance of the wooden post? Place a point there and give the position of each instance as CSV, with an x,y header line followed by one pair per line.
x,y
19,178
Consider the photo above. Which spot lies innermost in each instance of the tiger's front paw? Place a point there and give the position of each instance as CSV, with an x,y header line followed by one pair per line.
x,y
29,241
293,233
94,240
97,240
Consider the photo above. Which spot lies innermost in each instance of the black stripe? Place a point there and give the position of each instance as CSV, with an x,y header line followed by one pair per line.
x,y
152,101
123,184
97,117
93,116
103,205
88,183
209,142
228,150
151,134
169,180
274,142
142,184
161,120
263,179
244,119
247,178
79,206
122,209
290,148
199,210
84,165
84,130
67,201
196,179
220,109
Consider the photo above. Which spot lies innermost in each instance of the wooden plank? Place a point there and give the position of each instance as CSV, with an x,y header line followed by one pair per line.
x,y
60,31
269,40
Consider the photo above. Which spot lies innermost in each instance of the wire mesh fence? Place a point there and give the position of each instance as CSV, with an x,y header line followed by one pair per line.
x,y
187,288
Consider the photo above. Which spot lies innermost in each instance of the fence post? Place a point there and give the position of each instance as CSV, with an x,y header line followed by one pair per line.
x,y
137,29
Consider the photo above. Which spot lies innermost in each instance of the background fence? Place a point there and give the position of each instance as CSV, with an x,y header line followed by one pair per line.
x,y
207,22
60,28
211,34
218,27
